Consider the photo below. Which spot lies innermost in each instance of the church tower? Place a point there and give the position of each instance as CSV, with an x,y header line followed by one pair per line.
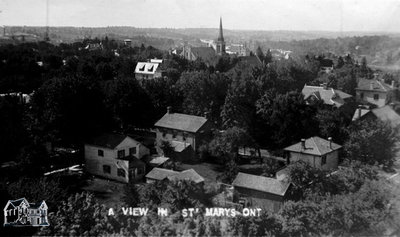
x,y
220,41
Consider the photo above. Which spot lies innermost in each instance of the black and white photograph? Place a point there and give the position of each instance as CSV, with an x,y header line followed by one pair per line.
x,y
196,118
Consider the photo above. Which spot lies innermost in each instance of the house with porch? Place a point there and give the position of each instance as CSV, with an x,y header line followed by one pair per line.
x,y
315,151
260,192
116,157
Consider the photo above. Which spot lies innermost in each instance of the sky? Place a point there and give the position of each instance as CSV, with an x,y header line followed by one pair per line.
x,y
299,15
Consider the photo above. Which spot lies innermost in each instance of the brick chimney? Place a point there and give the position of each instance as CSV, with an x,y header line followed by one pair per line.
x,y
330,142
303,144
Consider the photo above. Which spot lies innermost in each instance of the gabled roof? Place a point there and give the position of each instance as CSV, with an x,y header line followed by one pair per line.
x,y
357,113
108,140
183,122
146,67
387,114
158,160
190,174
251,60
377,85
314,146
207,54
330,96
260,183
161,174
179,146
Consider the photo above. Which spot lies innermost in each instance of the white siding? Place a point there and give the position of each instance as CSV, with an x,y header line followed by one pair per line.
x,y
332,160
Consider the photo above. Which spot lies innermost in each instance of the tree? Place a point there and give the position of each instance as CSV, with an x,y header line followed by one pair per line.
x,y
260,54
268,57
287,117
239,107
371,142
69,110
130,104
226,144
203,92
79,215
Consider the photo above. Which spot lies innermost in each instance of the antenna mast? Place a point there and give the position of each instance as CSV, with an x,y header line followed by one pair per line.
x,y
46,37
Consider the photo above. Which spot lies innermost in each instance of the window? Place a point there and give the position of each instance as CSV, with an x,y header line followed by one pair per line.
x,y
121,154
376,96
362,95
100,153
174,135
142,68
164,134
132,151
107,169
139,171
323,160
121,173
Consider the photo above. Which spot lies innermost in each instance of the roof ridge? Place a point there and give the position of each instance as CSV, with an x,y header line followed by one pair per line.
x,y
316,146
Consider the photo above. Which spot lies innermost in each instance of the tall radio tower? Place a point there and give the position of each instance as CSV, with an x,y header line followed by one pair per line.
x,y
46,36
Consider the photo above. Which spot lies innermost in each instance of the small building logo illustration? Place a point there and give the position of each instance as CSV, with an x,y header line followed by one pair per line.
x,y
22,213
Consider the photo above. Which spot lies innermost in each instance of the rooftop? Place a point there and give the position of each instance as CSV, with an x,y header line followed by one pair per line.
x,y
314,146
330,96
146,67
372,85
161,174
109,140
183,122
260,183
387,114
207,54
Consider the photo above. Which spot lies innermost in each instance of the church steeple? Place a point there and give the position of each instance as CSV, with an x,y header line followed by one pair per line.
x,y
220,41
221,35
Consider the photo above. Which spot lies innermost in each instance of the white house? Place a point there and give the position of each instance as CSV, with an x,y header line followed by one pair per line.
x,y
375,92
115,156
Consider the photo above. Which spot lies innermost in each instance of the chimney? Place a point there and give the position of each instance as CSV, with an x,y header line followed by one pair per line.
x,y
303,143
169,109
392,85
371,86
391,105
330,142
324,85
359,111
206,115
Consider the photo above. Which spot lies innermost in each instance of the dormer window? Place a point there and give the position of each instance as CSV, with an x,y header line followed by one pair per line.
x,y
142,68
150,68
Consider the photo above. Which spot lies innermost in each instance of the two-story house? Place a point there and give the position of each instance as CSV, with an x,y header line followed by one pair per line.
x,y
260,192
315,151
374,91
184,132
115,156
